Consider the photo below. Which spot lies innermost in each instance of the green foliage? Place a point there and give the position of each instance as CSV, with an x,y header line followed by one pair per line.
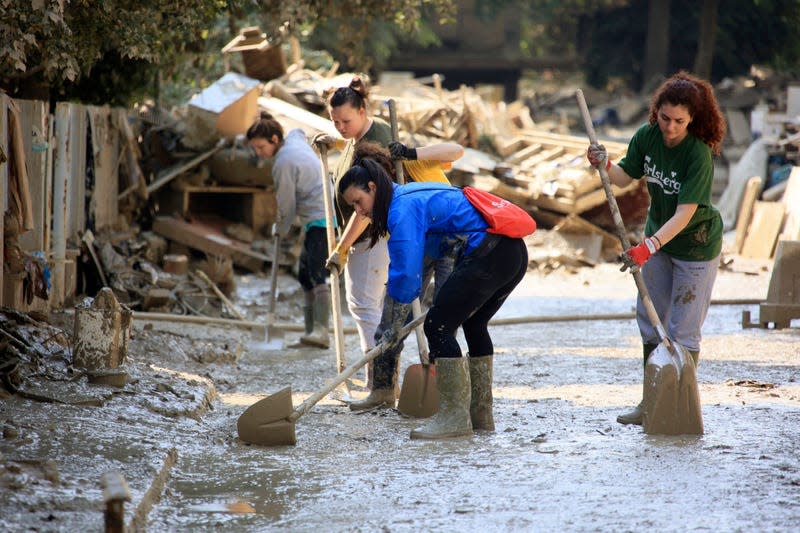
x,y
72,47
60,43
749,32
363,33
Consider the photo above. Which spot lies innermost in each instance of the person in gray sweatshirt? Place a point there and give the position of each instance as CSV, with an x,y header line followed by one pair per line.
x,y
298,180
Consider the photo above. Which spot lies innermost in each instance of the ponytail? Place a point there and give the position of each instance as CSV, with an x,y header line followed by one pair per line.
x,y
355,94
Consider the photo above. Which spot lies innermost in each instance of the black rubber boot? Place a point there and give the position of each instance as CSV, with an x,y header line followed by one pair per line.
x,y
319,336
308,318
636,415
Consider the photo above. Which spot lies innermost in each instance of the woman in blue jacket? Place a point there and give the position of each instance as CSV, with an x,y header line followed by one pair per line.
x,y
425,221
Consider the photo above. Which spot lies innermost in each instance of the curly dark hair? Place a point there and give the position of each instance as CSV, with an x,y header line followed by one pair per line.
x,y
708,122
377,152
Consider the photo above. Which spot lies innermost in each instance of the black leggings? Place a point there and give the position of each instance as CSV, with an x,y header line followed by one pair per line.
x,y
312,271
473,293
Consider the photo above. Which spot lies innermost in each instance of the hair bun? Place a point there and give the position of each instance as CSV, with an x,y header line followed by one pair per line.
x,y
264,115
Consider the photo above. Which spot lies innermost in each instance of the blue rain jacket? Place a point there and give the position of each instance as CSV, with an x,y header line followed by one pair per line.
x,y
427,220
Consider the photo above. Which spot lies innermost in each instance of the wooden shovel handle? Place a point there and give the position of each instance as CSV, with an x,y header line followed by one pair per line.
x,y
304,407
330,225
416,307
621,233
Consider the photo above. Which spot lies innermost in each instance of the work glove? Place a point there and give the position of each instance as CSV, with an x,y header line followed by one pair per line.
x,y
401,151
337,259
597,155
637,256
393,319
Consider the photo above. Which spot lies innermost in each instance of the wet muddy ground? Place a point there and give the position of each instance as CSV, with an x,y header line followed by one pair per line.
x,y
557,461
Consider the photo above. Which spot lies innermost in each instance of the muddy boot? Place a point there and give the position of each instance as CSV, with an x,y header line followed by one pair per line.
x,y
633,416
636,415
308,318
385,371
319,336
480,406
452,419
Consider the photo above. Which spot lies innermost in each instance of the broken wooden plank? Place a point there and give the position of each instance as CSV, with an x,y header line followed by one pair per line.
x,y
749,198
173,172
514,145
762,233
582,203
207,238
521,155
572,141
542,157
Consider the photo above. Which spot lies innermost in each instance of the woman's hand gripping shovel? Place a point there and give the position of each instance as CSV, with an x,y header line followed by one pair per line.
x,y
419,397
671,397
271,420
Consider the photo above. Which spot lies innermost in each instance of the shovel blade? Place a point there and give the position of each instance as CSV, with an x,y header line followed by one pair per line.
x,y
270,340
266,422
419,396
689,400
671,396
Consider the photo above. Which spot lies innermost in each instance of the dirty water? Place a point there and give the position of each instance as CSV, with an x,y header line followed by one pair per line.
x,y
557,461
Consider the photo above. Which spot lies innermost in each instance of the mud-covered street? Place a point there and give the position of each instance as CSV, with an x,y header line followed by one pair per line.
x,y
558,461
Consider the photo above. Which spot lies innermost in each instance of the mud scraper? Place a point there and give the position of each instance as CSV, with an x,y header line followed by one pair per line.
x,y
671,399
271,420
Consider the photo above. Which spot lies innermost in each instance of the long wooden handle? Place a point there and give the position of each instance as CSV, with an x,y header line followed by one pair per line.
x,y
304,407
621,233
330,222
416,307
398,165
202,275
273,279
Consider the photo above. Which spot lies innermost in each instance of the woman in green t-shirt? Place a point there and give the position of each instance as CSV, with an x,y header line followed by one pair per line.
x,y
683,231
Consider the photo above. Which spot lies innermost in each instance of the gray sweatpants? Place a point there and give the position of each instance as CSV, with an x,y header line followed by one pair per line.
x,y
681,294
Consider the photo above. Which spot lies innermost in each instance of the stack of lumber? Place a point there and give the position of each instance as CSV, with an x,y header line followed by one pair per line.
x,y
552,169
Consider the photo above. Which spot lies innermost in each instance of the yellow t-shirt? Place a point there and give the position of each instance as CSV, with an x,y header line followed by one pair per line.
x,y
427,170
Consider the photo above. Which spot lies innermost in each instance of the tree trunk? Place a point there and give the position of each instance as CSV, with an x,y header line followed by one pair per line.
x,y
705,43
657,45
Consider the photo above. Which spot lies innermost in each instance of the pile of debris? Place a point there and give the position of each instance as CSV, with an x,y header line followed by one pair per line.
x,y
210,194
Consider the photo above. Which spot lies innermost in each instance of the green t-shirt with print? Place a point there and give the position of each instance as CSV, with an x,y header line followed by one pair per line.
x,y
682,174
380,132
